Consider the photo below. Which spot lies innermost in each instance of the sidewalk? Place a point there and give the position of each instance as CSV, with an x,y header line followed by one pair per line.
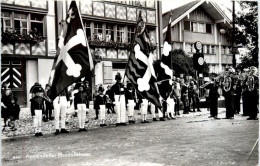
x,y
25,123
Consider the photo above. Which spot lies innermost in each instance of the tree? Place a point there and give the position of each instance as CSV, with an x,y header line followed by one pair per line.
x,y
247,32
182,64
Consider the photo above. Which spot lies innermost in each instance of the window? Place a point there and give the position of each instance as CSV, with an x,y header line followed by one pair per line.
x,y
37,24
207,49
187,25
109,32
98,32
194,27
201,28
191,48
20,23
131,33
5,21
212,49
87,29
120,33
223,49
208,28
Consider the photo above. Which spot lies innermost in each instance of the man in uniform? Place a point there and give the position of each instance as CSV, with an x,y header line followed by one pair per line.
x,y
61,103
81,104
119,91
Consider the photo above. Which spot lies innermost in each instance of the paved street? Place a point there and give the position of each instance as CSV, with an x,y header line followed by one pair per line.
x,y
186,141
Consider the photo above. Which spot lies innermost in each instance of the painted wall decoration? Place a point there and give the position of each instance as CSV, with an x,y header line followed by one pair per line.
x,y
150,4
98,8
39,4
131,14
122,54
7,1
143,12
101,52
22,3
38,49
86,7
110,10
7,48
151,16
22,48
111,53
120,12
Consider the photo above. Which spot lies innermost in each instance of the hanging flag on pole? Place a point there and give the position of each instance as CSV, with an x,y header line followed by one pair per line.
x,y
139,69
74,59
164,69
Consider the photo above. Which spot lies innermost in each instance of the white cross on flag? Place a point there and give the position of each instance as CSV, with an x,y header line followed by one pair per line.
x,y
74,58
140,69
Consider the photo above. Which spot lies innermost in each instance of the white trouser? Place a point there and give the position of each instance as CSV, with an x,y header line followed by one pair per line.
x,y
144,106
120,108
60,106
82,109
170,106
102,112
153,110
131,107
37,120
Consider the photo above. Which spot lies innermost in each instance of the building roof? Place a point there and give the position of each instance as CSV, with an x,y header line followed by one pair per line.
x,y
210,7
177,12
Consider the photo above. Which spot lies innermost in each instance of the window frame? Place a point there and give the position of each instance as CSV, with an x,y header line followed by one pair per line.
x,y
120,33
96,29
130,33
111,30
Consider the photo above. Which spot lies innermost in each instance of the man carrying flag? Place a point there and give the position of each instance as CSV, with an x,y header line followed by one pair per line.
x,y
74,62
139,69
165,73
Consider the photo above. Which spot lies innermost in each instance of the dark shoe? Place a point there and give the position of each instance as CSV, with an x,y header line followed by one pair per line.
x,y
84,129
64,131
198,110
154,119
118,124
215,117
51,118
101,125
79,130
104,124
123,124
86,121
142,121
57,132
36,134
210,116
146,121
173,118
40,134
162,119
130,121
96,118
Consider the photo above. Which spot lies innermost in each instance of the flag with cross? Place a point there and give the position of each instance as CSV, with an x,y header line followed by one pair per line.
x,y
74,59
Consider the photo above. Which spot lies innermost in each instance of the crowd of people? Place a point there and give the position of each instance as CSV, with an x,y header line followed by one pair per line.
x,y
122,99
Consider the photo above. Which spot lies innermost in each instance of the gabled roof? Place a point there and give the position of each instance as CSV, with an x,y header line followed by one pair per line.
x,y
210,7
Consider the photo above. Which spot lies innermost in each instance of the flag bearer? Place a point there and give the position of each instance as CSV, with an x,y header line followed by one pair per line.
x,y
130,100
37,108
119,91
61,103
81,104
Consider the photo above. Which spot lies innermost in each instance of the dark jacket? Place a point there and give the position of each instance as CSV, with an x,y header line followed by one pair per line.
x,y
37,103
80,98
101,100
15,111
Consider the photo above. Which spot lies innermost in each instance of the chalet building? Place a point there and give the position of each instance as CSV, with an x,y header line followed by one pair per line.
x,y
30,31
202,21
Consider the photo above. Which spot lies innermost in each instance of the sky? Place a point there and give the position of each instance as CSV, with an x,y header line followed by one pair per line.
x,y
224,4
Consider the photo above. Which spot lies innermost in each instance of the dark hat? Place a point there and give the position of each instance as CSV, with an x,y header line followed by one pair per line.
x,y
36,88
79,84
101,89
118,76
129,85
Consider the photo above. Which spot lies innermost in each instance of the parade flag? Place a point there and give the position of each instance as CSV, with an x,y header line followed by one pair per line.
x,y
139,69
164,71
74,59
